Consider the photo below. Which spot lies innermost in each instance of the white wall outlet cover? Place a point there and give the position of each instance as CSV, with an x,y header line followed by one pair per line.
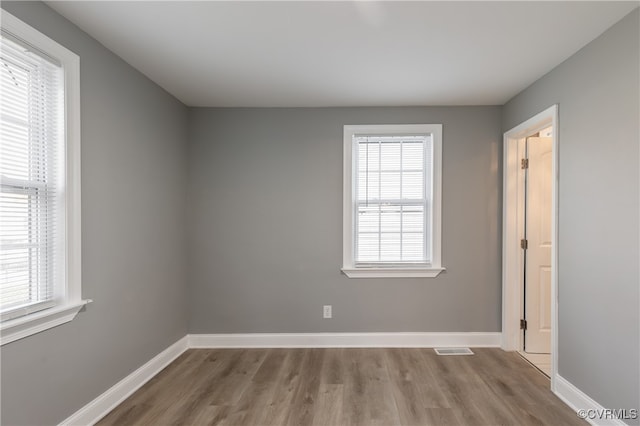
x,y
327,311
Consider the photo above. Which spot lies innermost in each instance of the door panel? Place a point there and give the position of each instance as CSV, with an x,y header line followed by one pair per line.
x,y
544,309
538,254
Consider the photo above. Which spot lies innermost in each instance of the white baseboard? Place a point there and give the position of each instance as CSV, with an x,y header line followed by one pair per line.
x,y
344,340
103,404
581,402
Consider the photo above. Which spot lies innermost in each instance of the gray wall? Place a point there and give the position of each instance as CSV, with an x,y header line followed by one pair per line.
x,y
265,234
133,238
597,91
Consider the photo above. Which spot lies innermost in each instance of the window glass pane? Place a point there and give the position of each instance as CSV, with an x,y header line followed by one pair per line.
x,y
389,185
368,219
412,185
14,145
14,258
413,219
373,156
368,186
368,154
25,266
412,246
368,248
390,219
16,79
412,155
390,156
390,247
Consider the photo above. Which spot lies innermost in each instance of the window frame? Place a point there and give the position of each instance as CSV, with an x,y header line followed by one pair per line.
x,y
391,270
70,302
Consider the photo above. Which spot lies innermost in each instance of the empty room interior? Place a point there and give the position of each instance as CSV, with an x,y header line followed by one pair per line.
x,y
320,212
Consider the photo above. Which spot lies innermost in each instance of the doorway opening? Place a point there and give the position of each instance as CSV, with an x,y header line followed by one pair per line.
x,y
529,276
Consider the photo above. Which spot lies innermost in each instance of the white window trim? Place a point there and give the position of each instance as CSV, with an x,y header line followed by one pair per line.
x,y
391,271
65,311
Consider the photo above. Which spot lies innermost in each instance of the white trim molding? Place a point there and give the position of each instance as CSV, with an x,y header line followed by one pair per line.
x,y
392,272
344,340
512,232
24,326
91,413
584,406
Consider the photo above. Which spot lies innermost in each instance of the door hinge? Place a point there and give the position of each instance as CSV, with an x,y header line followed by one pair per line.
x,y
523,324
524,244
524,163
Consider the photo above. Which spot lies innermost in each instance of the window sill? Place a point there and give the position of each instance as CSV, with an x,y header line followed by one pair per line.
x,y
21,327
392,272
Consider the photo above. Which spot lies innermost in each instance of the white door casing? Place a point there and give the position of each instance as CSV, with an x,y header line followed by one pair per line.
x,y
538,254
512,254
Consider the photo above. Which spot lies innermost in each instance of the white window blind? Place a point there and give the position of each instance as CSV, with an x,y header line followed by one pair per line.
x,y
31,178
393,190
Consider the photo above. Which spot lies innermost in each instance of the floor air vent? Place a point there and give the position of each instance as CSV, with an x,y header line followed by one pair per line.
x,y
453,351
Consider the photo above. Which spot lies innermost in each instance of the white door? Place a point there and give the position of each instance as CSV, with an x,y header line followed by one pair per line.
x,y
537,336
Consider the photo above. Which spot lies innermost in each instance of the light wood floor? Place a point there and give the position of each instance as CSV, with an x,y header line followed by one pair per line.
x,y
344,387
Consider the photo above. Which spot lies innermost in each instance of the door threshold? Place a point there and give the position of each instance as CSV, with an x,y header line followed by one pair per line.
x,y
542,362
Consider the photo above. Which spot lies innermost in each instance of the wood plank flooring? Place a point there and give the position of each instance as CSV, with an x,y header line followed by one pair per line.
x,y
365,387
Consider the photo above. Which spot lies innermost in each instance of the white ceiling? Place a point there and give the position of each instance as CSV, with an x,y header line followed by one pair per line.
x,y
299,54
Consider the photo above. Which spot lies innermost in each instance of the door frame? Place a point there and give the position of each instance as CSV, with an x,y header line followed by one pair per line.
x,y
513,230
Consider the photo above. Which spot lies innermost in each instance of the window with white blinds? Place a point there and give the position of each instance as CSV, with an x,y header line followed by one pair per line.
x,y
393,186
36,197
392,200
30,165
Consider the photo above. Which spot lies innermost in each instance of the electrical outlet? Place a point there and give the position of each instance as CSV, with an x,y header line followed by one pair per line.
x,y
326,312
